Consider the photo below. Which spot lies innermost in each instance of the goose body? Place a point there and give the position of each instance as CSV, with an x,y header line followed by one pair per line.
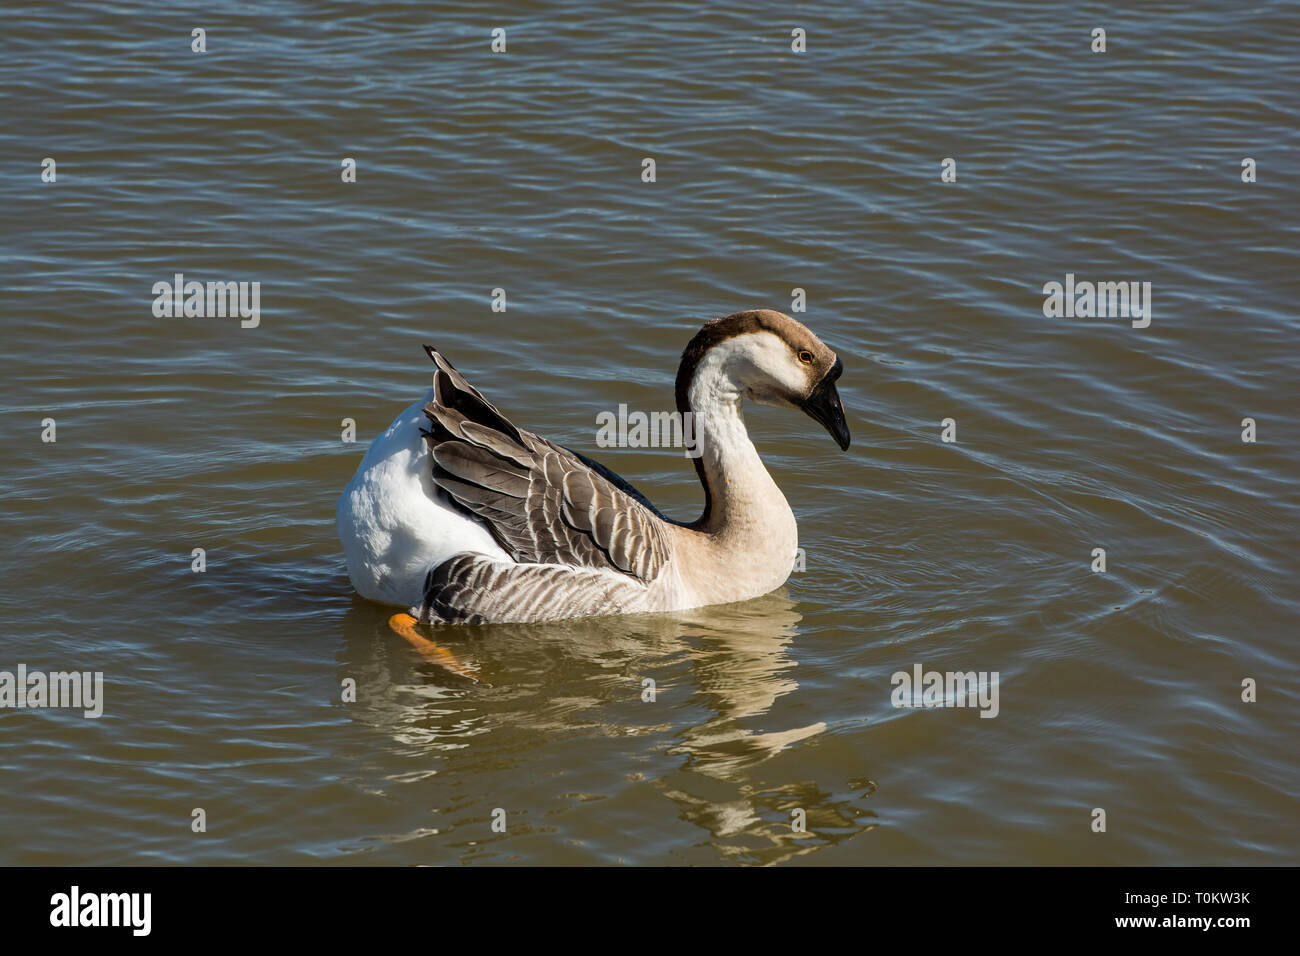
x,y
463,517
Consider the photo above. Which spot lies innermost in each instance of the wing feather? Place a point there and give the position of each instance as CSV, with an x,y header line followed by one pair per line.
x,y
474,589
543,503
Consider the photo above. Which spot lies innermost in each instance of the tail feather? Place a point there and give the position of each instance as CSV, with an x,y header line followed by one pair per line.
x,y
453,394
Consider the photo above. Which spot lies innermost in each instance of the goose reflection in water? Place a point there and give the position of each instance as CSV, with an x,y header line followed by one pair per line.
x,y
514,694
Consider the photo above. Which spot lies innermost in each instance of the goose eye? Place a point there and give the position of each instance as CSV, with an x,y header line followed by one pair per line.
x,y
805,356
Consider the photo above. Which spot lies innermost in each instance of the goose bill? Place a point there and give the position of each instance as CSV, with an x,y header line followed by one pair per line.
x,y
823,405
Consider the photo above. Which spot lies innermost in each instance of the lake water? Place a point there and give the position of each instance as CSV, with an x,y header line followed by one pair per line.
x,y
774,170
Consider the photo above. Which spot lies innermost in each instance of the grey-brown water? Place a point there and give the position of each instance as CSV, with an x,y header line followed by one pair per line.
x,y
774,170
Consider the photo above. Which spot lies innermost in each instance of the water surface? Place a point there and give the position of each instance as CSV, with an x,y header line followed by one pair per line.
x,y
775,170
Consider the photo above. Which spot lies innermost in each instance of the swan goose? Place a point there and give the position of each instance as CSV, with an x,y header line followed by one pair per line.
x,y
463,517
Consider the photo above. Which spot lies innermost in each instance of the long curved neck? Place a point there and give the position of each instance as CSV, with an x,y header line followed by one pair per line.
x,y
741,501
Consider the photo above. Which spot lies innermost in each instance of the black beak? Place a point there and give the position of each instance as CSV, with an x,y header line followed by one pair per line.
x,y
823,405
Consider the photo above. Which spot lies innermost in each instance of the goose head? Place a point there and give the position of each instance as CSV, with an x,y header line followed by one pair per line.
x,y
768,357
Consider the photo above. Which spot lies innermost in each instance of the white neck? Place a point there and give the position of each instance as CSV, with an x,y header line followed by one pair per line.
x,y
746,509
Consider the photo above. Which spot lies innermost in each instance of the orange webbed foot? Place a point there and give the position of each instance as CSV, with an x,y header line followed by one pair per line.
x,y
404,626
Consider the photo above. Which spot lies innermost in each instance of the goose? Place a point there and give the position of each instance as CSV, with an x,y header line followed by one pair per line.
x,y
464,518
